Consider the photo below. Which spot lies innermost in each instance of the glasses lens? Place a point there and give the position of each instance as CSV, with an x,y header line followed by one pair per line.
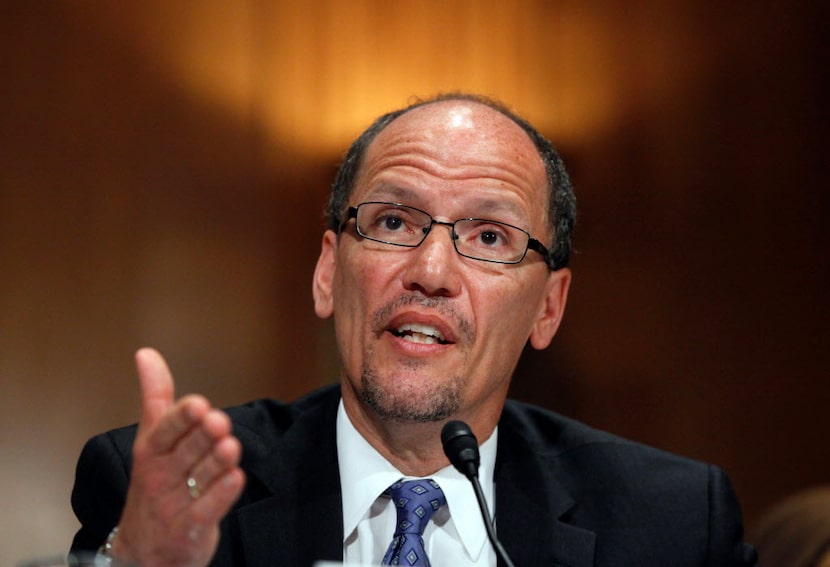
x,y
490,240
395,224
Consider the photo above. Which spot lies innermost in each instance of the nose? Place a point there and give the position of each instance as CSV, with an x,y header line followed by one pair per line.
x,y
433,266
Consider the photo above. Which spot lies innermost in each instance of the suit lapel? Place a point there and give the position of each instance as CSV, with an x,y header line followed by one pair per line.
x,y
300,519
292,530
303,517
531,503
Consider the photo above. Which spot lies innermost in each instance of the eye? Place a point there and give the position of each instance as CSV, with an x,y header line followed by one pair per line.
x,y
489,235
490,238
390,222
393,223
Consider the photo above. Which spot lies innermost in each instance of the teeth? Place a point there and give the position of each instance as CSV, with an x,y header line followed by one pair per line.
x,y
424,334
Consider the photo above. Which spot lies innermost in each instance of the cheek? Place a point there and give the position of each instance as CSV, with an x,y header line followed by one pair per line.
x,y
348,319
357,290
511,312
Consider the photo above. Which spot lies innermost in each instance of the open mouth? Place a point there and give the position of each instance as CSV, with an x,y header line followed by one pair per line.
x,y
422,334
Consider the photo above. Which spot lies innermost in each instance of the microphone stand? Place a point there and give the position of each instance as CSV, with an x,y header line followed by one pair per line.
x,y
488,524
461,447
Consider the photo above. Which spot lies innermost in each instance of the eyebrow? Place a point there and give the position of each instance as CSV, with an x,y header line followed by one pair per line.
x,y
479,207
393,192
493,206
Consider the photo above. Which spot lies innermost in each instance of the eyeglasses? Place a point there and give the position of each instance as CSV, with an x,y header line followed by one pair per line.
x,y
479,239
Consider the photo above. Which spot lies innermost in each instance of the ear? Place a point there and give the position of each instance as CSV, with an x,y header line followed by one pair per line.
x,y
323,283
552,309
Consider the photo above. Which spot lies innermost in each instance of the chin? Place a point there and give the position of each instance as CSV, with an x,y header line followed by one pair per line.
x,y
411,402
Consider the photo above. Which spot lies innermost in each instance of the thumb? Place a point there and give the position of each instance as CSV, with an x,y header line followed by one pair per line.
x,y
156,383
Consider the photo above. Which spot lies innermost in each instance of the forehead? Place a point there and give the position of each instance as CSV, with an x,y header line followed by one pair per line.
x,y
458,141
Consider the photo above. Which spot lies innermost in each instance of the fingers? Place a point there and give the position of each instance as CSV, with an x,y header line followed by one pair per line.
x,y
163,422
216,463
212,504
190,415
178,433
162,523
156,384
212,428
219,482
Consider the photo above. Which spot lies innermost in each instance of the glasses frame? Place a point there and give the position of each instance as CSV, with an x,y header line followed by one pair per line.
x,y
532,243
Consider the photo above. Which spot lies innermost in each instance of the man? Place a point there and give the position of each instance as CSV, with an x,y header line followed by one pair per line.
x,y
431,314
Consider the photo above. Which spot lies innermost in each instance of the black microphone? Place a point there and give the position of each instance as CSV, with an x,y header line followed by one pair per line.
x,y
461,448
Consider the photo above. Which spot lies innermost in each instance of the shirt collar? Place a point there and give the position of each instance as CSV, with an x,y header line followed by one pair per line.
x,y
365,474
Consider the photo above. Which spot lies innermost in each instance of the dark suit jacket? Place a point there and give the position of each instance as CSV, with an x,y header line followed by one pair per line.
x,y
566,494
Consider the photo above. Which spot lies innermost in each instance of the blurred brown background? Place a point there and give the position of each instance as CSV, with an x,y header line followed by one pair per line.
x,y
164,167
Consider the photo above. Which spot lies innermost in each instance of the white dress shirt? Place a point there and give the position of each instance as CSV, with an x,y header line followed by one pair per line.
x,y
455,537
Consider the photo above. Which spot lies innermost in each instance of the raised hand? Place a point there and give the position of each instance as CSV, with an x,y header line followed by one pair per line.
x,y
185,474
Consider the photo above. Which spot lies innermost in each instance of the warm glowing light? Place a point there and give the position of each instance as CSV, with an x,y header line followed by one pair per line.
x,y
311,75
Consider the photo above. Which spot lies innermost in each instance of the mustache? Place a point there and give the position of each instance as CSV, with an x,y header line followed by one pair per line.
x,y
463,326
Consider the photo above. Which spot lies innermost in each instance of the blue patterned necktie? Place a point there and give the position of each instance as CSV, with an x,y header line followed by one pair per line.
x,y
415,502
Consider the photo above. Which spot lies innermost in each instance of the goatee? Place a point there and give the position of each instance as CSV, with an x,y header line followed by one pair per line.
x,y
411,405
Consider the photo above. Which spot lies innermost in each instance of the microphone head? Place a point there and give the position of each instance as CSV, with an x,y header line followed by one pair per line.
x,y
461,448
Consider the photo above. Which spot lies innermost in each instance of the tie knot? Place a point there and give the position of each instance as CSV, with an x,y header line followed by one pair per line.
x,y
415,502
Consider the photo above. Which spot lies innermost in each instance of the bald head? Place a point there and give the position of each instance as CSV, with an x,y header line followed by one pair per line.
x,y
476,123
